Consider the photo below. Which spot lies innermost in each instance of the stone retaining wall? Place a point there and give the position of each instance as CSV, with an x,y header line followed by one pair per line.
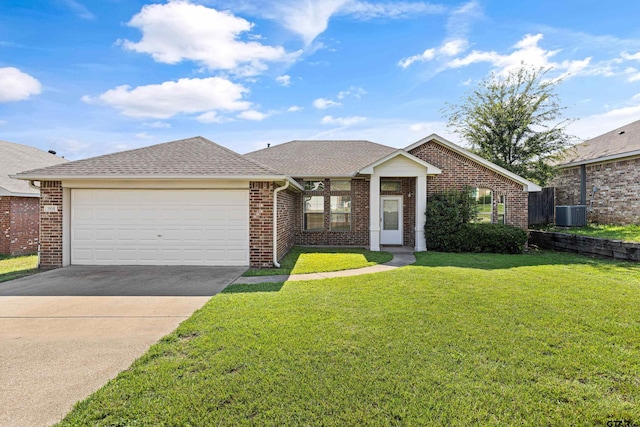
x,y
615,249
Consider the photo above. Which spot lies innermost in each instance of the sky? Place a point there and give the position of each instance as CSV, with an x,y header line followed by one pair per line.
x,y
86,78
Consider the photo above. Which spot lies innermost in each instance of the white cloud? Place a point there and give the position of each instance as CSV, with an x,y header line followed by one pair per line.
x,y
185,96
16,85
427,55
158,125
253,115
324,103
284,80
631,56
310,18
210,117
295,108
179,30
79,9
597,124
525,51
352,92
143,135
342,121
448,49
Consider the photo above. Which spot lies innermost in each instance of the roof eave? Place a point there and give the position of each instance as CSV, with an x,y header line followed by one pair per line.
x,y
601,159
8,193
159,178
431,170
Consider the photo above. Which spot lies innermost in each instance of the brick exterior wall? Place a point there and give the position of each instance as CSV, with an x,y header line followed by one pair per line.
x,y
19,225
617,200
50,225
287,204
459,171
261,224
359,234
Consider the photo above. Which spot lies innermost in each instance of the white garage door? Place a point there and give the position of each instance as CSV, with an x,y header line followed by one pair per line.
x,y
159,227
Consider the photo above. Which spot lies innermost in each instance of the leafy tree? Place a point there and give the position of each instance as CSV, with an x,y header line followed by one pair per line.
x,y
515,121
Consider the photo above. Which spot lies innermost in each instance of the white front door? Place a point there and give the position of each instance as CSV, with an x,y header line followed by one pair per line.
x,y
391,219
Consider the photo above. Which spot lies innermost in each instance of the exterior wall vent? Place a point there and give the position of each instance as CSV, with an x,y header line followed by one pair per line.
x,y
571,216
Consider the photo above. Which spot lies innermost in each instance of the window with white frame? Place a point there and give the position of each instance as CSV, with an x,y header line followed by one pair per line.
x,y
313,213
340,213
484,203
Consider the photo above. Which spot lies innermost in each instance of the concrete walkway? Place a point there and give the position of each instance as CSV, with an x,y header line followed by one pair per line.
x,y
402,255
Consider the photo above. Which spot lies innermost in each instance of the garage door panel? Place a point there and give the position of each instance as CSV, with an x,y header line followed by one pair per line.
x,y
159,227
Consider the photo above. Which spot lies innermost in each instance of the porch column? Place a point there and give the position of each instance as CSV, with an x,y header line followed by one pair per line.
x,y
421,207
374,213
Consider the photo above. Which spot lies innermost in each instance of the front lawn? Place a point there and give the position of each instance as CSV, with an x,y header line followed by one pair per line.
x,y
629,233
13,267
456,339
302,260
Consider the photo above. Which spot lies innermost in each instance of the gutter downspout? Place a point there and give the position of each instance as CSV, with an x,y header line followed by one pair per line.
x,y
276,264
33,185
583,184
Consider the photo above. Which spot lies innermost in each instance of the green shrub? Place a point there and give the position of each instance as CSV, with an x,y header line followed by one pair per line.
x,y
446,213
495,238
448,227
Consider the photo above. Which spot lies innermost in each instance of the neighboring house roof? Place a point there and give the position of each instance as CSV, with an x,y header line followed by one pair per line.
x,y
616,144
15,158
187,158
316,159
527,185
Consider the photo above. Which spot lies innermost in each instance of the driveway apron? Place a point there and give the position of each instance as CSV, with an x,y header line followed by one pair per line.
x,y
65,333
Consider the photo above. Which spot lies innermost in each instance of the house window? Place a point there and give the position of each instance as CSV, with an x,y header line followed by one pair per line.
x,y
386,185
501,209
314,213
484,202
342,185
340,213
314,185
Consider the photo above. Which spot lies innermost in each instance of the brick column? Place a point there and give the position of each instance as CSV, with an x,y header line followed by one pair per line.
x,y
51,224
261,224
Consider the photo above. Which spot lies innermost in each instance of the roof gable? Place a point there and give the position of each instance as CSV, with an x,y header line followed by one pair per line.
x,y
15,158
527,185
429,168
321,158
621,142
186,158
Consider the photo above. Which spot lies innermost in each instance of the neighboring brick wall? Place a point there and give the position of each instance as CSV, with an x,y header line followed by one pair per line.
x,y
19,225
459,171
408,186
261,224
5,224
359,234
286,221
50,225
617,200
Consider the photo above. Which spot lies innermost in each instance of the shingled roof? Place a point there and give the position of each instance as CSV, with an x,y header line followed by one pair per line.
x,y
619,143
320,158
15,158
190,158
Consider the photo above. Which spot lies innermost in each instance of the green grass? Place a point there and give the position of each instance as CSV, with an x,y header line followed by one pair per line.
x,y
13,267
302,260
629,233
457,339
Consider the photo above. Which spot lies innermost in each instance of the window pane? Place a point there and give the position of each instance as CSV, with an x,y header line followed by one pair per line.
x,y
314,185
340,213
484,201
314,213
390,218
340,185
501,211
390,186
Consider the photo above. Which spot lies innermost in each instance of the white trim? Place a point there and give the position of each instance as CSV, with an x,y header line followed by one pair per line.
x,y
528,186
421,208
374,213
6,193
431,170
66,227
601,159
159,178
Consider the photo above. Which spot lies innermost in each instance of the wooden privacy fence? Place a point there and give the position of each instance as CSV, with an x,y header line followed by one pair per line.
x,y
542,207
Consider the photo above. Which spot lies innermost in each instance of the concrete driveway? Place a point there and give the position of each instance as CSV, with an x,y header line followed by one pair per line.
x,y
65,333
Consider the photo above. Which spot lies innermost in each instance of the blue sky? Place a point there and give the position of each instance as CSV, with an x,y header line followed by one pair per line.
x,y
92,77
